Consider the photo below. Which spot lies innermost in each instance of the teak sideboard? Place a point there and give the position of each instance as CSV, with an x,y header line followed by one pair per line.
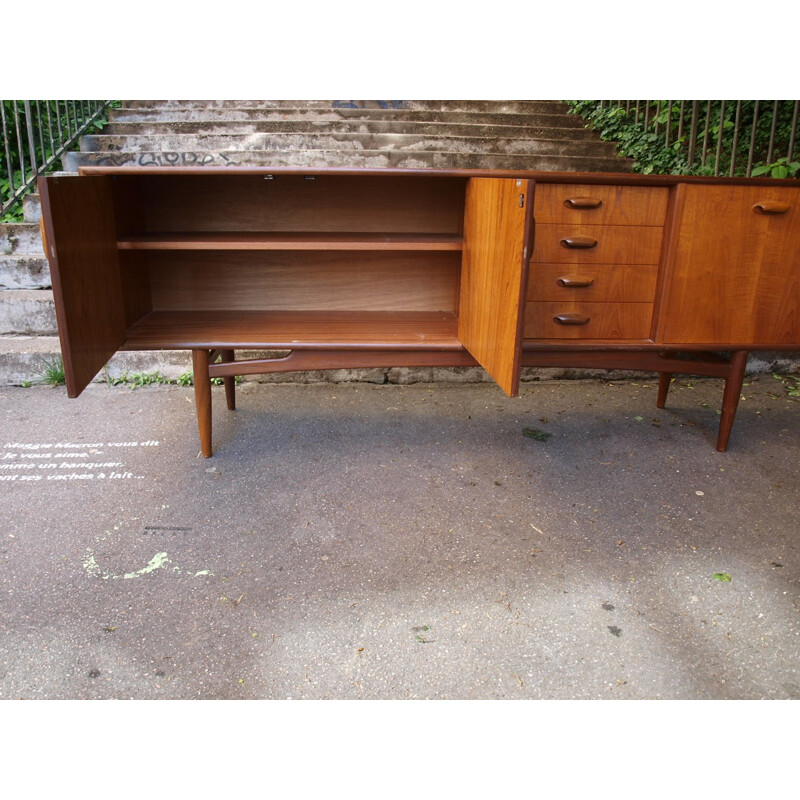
x,y
348,268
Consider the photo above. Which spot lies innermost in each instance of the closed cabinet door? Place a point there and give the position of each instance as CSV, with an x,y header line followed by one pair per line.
x,y
733,276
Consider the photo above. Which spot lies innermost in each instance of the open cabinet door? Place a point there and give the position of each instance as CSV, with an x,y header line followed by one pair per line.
x,y
81,245
498,224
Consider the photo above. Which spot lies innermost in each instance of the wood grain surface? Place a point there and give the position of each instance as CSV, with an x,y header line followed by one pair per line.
x,y
616,244
294,329
619,205
605,320
619,283
734,274
84,267
296,241
494,276
317,280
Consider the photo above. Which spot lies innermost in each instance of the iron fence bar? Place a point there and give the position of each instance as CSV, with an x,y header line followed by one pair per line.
x,y
712,139
793,134
772,132
39,129
693,132
7,139
75,123
752,140
50,125
720,131
58,123
735,136
669,123
19,142
26,105
705,135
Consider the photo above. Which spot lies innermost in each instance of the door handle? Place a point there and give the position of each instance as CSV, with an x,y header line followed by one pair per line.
x,y
579,242
570,319
583,202
771,207
575,283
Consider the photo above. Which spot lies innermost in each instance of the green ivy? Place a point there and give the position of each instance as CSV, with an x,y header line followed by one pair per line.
x,y
651,156
57,113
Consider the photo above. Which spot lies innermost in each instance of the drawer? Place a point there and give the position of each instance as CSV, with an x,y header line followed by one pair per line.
x,y
600,205
607,244
597,320
619,283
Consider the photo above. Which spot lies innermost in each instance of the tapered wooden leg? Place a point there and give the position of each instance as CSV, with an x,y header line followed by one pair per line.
x,y
230,382
202,396
730,398
664,380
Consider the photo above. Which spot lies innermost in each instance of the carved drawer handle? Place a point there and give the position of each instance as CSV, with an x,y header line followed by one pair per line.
x,y
583,202
575,283
579,242
771,207
570,319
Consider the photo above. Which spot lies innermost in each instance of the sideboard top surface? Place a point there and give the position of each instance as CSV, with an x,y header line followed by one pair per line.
x,y
544,177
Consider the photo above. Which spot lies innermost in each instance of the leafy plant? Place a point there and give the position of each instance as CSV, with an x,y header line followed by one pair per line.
x,y
51,372
137,379
652,156
778,169
46,115
791,382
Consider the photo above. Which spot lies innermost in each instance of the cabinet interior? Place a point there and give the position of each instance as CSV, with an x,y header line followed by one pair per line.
x,y
256,259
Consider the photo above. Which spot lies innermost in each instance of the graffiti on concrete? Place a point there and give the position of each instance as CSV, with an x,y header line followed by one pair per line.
x,y
166,159
369,103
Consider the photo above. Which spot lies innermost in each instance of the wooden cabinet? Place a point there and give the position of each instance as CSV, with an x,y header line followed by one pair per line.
x,y
352,268
733,273
595,265
333,261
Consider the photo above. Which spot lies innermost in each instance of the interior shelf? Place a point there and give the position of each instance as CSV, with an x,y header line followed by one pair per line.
x,y
292,241
383,330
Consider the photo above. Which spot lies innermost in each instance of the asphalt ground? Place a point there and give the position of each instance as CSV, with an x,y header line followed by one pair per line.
x,y
358,541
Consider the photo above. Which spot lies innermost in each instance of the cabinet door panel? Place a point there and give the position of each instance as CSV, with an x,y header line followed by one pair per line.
x,y
78,215
734,273
497,226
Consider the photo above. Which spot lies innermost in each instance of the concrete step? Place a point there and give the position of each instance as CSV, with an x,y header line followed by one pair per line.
x,y
24,272
20,239
32,208
340,126
507,106
23,359
171,115
374,159
28,312
185,143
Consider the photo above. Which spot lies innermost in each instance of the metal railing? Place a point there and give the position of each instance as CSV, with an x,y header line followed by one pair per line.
x,y
36,133
721,137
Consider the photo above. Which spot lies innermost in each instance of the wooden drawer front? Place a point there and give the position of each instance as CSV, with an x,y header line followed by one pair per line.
x,y
618,205
615,244
619,283
604,320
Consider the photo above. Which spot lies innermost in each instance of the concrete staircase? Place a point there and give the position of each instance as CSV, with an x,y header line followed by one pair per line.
x,y
400,134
